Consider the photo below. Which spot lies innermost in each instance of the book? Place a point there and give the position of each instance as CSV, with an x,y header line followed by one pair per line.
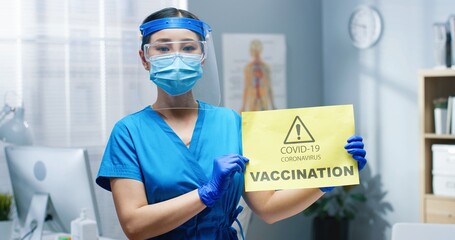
x,y
440,115
440,118
452,113
449,115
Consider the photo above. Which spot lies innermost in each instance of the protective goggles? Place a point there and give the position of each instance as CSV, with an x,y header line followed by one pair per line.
x,y
193,50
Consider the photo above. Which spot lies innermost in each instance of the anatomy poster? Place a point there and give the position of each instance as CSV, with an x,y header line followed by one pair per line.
x,y
254,71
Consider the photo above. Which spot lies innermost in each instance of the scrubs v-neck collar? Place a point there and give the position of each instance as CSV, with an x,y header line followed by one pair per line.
x,y
174,137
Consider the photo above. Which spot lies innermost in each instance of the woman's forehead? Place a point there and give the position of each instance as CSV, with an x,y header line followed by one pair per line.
x,y
174,34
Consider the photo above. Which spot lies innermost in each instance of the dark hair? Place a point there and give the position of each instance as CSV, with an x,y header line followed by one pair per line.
x,y
165,13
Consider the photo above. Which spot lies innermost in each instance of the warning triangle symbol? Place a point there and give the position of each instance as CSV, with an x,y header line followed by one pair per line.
x,y
298,133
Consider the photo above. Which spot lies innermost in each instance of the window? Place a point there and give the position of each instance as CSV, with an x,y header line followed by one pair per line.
x,y
74,64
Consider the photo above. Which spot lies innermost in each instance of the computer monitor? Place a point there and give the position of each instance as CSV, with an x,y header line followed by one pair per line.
x,y
51,186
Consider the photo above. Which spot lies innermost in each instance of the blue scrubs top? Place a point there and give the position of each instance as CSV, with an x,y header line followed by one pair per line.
x,y
143,147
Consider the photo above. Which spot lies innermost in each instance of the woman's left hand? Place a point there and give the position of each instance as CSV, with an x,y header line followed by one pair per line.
x,y
355,148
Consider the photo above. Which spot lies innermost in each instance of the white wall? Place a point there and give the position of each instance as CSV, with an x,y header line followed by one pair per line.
x,y
382,82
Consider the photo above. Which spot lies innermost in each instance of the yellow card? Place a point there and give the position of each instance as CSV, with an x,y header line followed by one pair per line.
x,y
298,148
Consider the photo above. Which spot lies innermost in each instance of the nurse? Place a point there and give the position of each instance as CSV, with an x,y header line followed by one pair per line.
x,y
175,168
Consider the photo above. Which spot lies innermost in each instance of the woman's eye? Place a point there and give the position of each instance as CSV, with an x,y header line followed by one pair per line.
x,y
189,48
162,49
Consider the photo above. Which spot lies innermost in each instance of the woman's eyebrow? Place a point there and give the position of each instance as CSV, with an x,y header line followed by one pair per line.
x,y
170,40
163,40
189,39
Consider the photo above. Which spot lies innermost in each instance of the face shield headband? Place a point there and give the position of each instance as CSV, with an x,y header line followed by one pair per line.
x,y
197,26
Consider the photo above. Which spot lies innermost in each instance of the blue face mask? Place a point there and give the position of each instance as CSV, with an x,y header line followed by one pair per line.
x,y
176,73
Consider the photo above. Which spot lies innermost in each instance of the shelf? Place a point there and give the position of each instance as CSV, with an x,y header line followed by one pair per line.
x,y
432,196
446,72
439,136
434,83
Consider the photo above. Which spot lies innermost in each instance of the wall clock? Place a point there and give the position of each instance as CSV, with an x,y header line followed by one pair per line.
x,y
365,26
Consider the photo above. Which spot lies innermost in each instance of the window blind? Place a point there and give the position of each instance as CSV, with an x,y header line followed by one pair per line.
x,y
74,64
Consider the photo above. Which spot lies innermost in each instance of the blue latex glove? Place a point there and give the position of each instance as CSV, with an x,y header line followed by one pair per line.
x,y
326,189
224,168
355,148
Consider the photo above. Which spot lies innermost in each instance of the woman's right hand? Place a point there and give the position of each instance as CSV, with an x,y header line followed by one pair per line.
x,y
224,168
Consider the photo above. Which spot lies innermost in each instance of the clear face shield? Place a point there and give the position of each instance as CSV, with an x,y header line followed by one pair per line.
x,y
181,63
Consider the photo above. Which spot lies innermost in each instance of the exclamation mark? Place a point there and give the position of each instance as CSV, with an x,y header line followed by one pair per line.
x,y
298,131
